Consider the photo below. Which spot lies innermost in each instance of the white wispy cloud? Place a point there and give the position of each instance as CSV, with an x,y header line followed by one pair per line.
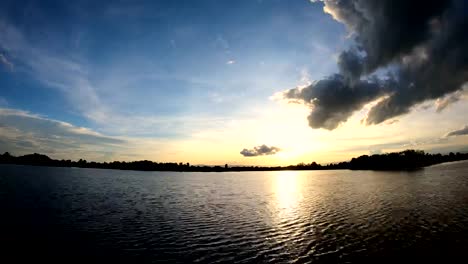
x,y
24,132
7,63
222,43
24,120
69,75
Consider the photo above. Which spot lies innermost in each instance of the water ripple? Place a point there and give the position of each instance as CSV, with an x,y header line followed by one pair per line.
x,y
250,217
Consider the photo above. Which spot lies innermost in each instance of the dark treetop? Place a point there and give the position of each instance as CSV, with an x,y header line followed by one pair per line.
x,y
405,160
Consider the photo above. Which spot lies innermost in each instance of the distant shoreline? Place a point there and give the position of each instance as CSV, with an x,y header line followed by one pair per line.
x,y
397,161
447,162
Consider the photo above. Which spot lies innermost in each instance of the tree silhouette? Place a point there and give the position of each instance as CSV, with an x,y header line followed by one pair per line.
x,y
404,160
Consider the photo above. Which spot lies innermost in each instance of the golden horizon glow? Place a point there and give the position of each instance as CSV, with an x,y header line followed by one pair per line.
x,y
285,126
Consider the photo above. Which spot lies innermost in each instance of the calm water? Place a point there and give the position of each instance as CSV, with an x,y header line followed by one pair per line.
x,y
73,215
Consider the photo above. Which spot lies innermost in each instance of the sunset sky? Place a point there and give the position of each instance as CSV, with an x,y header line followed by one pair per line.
x,y
211,82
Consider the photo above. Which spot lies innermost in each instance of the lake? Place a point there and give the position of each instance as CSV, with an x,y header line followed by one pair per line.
x,y
108,216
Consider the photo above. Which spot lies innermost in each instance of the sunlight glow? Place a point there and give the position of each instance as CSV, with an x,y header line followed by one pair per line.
x,y
287,189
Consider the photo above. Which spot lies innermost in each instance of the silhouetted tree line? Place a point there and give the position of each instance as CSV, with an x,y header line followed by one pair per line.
x,y
404,160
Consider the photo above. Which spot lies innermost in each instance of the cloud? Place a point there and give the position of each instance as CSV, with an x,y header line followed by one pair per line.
x,y
3,60
71,77
66,75
333,100
391,122
222,43
102,97
23,132
445,101
420,143
260,151
459,132
420,46
230,62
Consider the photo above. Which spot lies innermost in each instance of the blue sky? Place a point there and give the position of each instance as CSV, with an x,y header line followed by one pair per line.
x,y
160,72
166,58
169,58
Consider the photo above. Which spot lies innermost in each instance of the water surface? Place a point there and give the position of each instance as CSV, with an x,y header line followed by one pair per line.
x,y
92,215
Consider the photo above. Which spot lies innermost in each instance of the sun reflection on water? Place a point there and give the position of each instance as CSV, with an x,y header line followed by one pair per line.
x,y
288,192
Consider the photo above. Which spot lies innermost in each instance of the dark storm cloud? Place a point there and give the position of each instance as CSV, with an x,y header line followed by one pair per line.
x,y
334,99
387,29
351,65
259,151
459,132
422,46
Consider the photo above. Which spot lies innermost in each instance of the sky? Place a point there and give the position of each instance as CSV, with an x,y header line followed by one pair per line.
x,y
258,82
